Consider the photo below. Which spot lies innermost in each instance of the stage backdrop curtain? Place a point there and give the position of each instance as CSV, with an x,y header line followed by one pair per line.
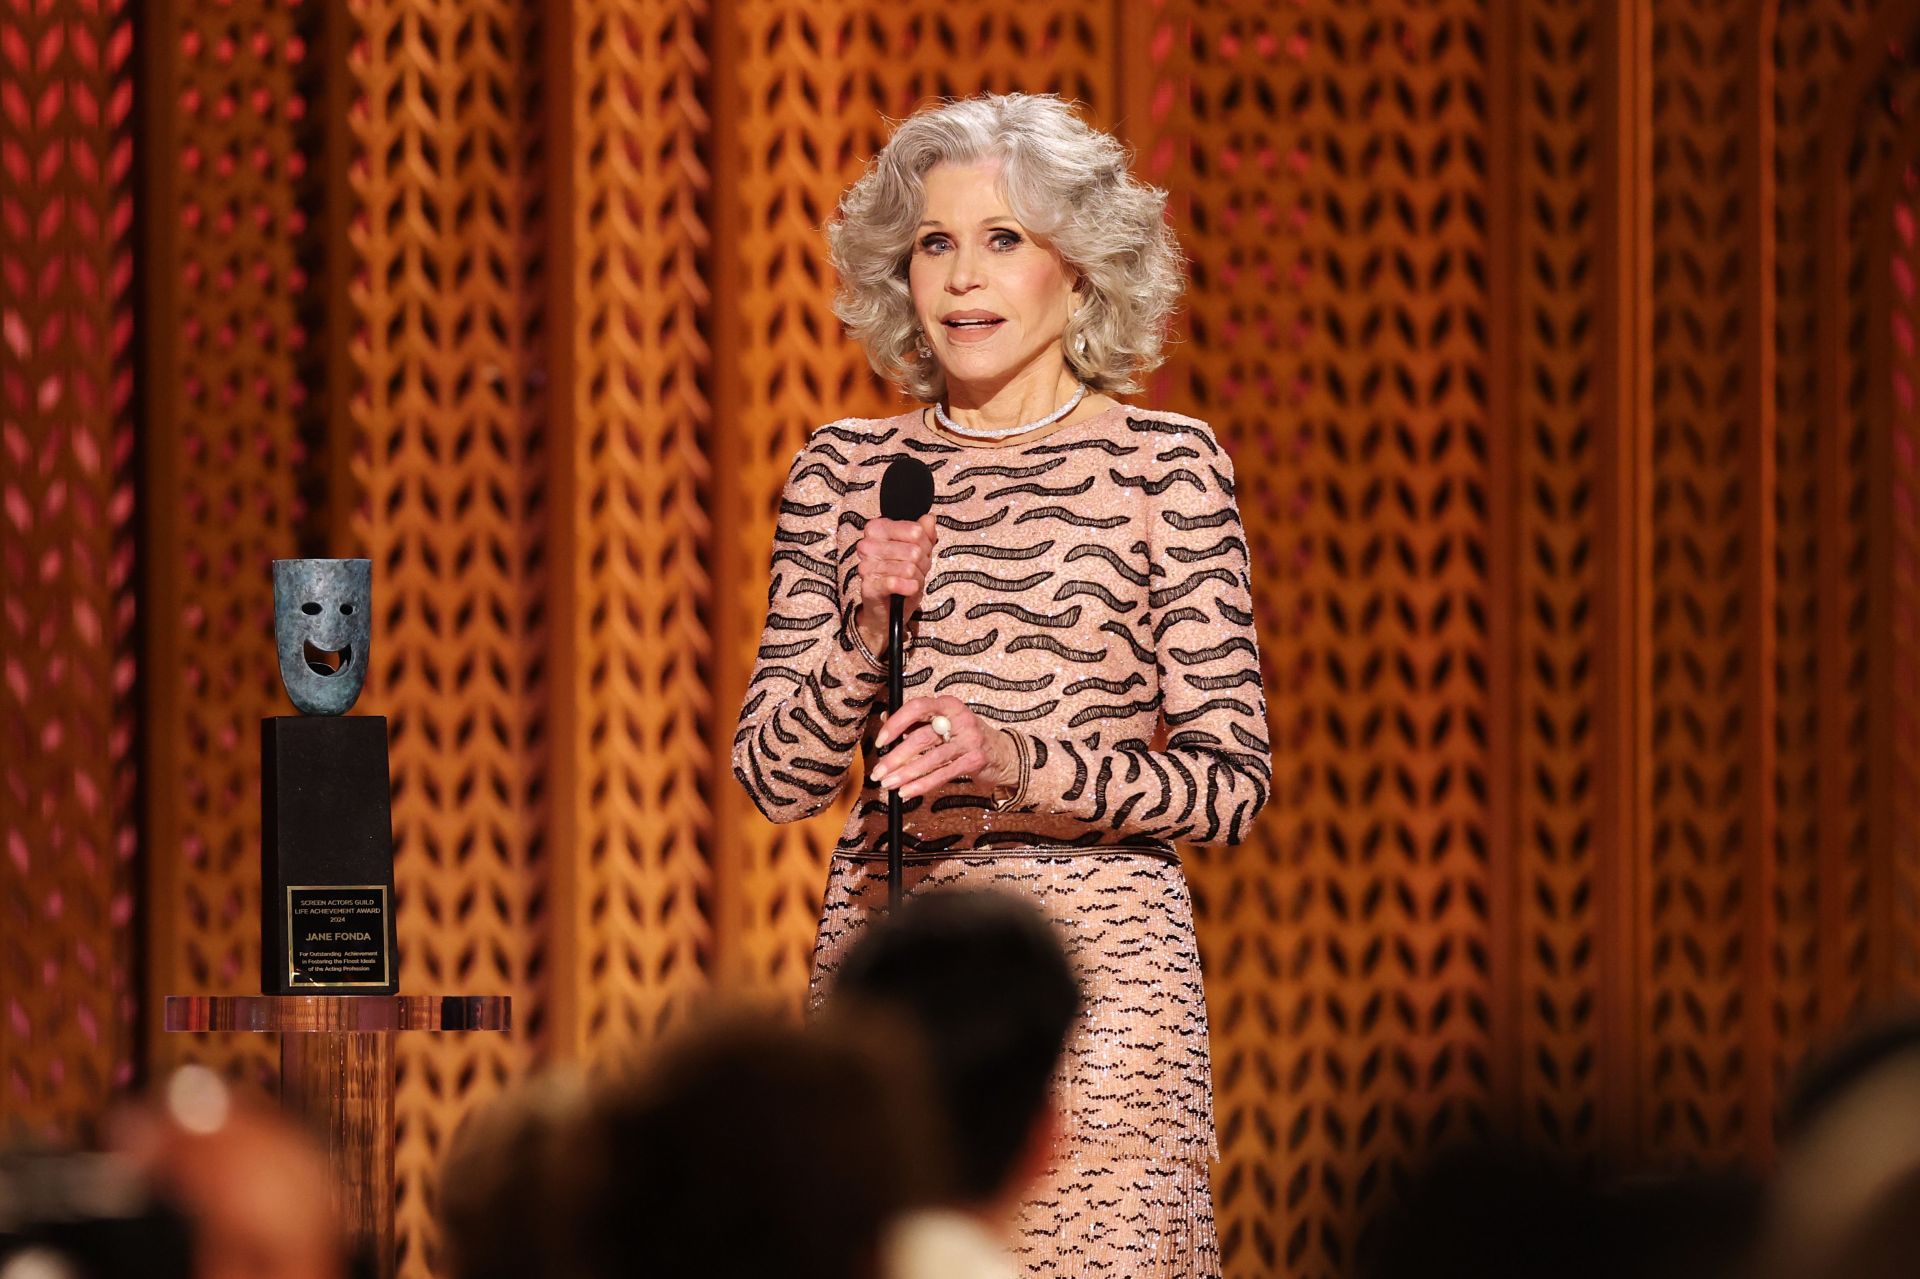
x,y
1567,354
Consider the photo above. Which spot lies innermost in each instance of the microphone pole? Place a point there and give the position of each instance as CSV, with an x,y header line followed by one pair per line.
x,y
896,694
906,493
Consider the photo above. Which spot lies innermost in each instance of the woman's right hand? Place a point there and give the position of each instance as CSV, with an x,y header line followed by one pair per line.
x,y
892,557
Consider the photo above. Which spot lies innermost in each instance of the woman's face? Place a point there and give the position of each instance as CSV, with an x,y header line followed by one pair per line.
x,y
992,300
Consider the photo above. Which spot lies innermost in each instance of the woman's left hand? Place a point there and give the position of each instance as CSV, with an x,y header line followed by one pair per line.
x,y
920,760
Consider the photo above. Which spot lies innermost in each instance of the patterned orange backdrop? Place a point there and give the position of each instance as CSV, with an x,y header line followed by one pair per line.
x,y
1567,350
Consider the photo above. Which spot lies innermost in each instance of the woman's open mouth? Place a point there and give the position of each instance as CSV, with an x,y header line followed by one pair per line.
x,y
971,326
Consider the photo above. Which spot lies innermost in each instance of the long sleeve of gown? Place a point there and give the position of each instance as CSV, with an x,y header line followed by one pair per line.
x,y
1215,770
812,686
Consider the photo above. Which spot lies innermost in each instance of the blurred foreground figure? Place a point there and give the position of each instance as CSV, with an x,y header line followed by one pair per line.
x,y
984,979
253,1188
84,1215
1847,1198
501,1211
752,1150
1502,1212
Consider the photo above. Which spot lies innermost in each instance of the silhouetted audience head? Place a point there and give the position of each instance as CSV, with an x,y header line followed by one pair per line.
x,y
1694,1225
1832,1079
752,1149
985,979
1885,1242
1495,1211
1849,1140
500,1208
1490,1212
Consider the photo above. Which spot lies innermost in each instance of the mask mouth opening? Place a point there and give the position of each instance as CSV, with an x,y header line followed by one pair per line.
x,y
327,661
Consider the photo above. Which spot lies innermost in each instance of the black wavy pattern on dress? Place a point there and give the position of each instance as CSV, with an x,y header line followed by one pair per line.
x,y
985,581
1038,711
1067,516
807,623
1068,590
1126,633
1224,546
810,586
773,670
1150,426
1008,472
1115,686
851,437
1119,710
1251,741
1112,557
818,790
1214,683
996,682
1176,718
1169,594
1154,488
778,652
987,551
953,648
1039,490
834,482
1239,617
971,526
1194,656
1168,621
1054,646
1112,448
800,559
1059,621
1188,523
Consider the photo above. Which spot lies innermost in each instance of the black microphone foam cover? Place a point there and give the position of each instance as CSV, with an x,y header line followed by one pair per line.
x,y
906,490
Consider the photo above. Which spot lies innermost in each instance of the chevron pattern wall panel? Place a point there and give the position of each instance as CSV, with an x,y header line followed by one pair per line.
x,y
633,309
231,459
67,549
450,471
1554,581
1699,886
1334,339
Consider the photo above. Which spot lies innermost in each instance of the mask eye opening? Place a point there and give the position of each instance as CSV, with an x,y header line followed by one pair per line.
x,y
347,609
310,609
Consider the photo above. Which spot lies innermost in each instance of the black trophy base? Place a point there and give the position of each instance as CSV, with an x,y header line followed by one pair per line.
x,y
326,857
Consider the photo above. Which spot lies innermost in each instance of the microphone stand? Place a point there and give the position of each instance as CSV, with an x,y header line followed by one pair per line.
x,y
896,694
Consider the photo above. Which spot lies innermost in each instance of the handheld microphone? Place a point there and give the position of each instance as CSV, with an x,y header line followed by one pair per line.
x,y
906,493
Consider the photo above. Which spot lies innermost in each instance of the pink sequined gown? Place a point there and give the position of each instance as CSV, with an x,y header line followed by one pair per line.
x,y
1089,593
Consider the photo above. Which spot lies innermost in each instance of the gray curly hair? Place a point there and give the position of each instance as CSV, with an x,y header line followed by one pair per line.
x,y
1067,182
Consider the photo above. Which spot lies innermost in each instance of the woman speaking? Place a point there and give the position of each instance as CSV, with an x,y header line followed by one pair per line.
x,y
1083,683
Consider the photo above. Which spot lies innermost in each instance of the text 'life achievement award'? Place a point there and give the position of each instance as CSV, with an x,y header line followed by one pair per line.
x,y
326,836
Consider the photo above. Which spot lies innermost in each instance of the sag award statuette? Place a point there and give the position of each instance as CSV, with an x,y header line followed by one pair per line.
x,y
326,839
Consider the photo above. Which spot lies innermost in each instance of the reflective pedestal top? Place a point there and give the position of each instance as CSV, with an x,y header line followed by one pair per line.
x,y
338,1014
